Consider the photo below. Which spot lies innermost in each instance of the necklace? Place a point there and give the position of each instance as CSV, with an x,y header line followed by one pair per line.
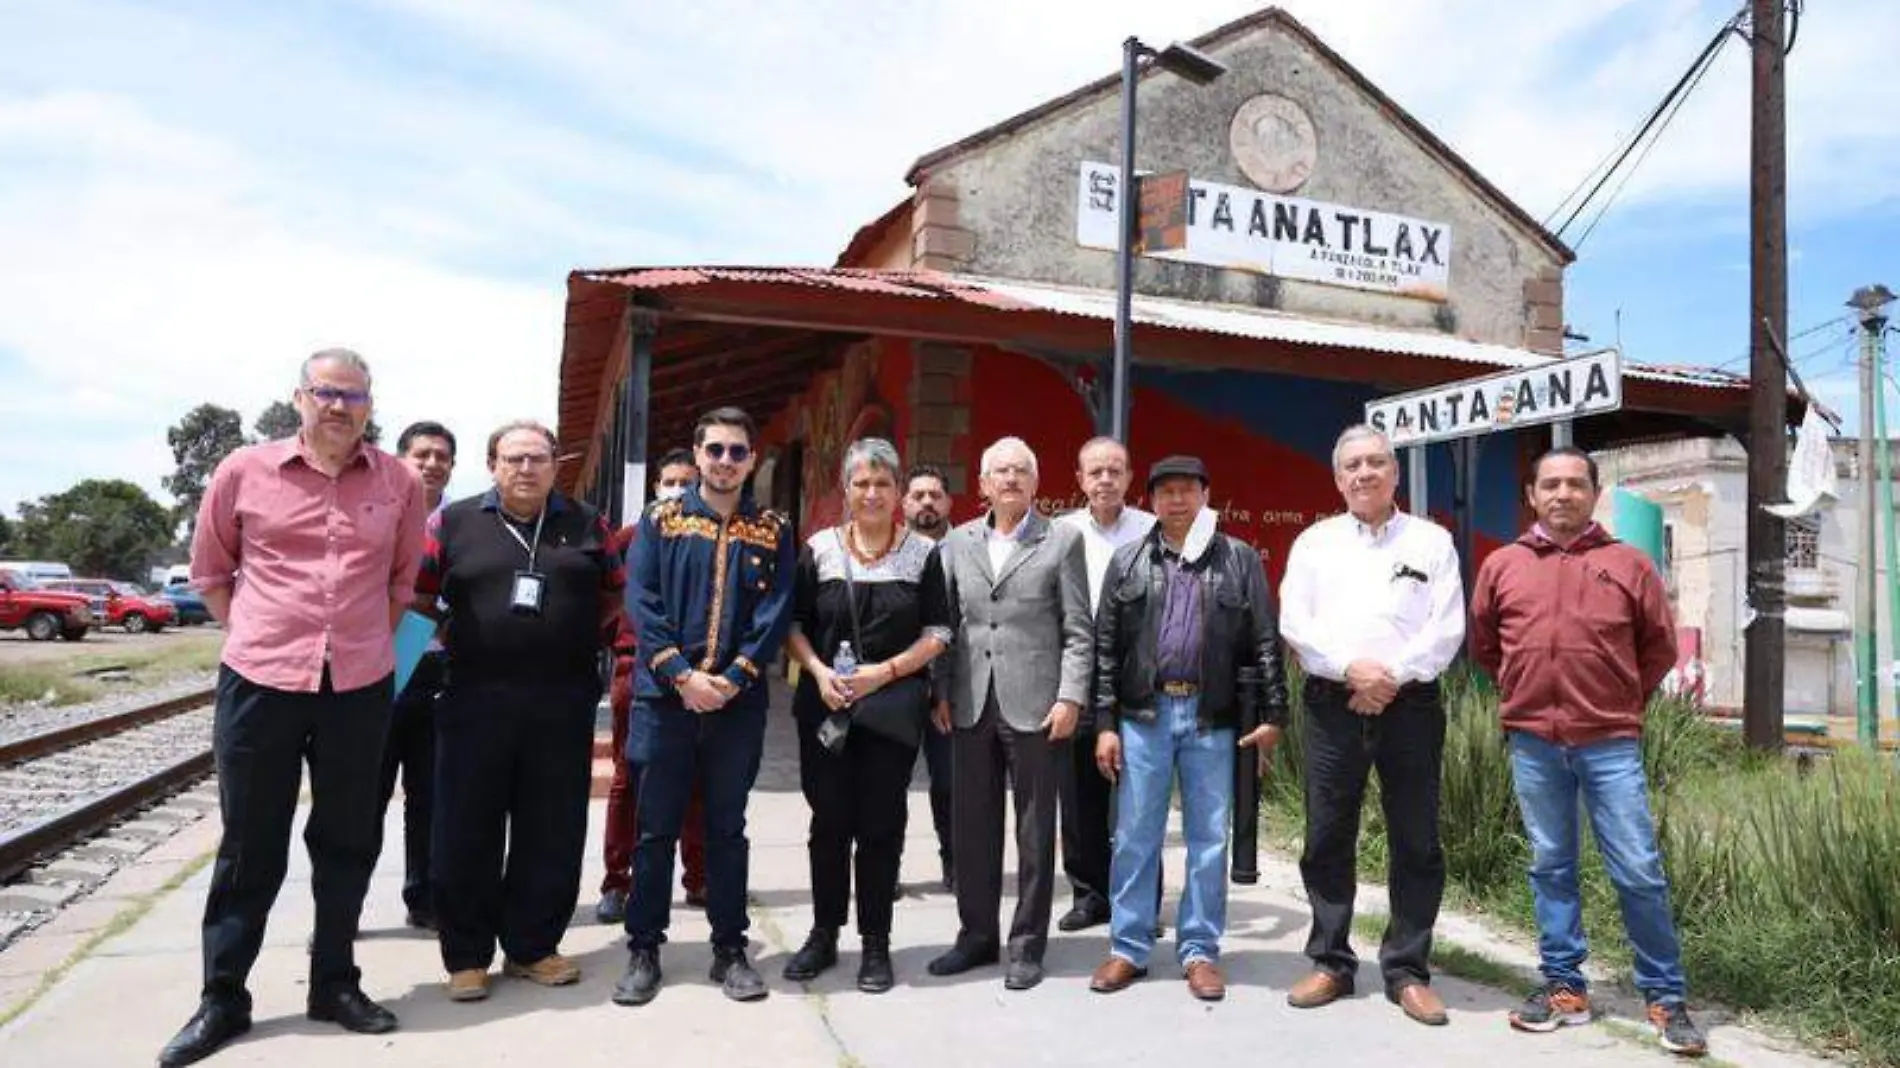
x,y
862,557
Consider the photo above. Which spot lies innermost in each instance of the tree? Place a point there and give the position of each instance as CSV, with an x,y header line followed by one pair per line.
x,y
6,537
280,420
200,441
105,527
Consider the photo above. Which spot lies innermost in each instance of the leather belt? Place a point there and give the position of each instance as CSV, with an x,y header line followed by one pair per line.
x,y
1180,689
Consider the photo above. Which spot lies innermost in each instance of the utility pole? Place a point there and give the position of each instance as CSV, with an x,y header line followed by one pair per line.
x,y
1768,399
1869,301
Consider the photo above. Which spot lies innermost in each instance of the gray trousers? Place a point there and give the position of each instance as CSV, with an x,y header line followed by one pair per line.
x,y
988,758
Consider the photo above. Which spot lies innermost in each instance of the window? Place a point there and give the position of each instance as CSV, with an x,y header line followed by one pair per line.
x,y
1804,543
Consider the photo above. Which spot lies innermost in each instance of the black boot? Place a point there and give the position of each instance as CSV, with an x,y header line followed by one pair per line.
x,y
874,967
819,953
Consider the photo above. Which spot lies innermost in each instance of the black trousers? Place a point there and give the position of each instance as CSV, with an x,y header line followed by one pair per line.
x,y
989,757
514,764
1085,800
410,755
859,797
937,761
1405,745
262,738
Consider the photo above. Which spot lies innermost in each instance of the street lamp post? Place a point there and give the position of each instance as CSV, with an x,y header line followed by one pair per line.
x,y
1196,67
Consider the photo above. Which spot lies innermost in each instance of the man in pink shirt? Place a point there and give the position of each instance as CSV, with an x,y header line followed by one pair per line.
x,y
306,550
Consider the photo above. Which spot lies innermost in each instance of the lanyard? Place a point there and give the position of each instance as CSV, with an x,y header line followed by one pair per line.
x,y
510,528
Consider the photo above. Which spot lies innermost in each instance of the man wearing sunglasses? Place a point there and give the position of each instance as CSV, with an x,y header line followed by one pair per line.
x,y
306,550
709,596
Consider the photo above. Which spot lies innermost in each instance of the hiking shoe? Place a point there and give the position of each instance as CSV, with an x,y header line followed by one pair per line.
x,y
1675,1030
642,978
1552,1006
551,970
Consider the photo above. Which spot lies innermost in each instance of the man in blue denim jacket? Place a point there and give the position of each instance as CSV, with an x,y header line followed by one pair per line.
x,y
709,594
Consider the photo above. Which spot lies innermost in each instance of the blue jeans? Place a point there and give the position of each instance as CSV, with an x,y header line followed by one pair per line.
x,y
673,746
1152,754
1609,774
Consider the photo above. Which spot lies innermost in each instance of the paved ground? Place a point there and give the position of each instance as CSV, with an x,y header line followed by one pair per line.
x,y
118,1006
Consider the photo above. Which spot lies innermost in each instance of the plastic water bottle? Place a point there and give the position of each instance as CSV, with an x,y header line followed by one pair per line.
x,y
845,663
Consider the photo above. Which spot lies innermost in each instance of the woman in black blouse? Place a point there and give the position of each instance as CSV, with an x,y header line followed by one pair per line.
x,y
877,585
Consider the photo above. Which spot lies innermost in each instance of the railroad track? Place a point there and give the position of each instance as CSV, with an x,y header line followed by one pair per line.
x,y
66,784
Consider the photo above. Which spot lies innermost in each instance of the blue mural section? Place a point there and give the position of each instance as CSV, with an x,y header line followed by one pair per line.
x,y
1305,416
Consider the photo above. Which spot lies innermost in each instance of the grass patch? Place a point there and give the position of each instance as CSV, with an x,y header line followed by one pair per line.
x,y
1454,959
146,664
127,916
1785,883
20,683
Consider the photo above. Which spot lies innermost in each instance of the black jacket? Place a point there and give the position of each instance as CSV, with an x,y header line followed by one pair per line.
x,y
1238,628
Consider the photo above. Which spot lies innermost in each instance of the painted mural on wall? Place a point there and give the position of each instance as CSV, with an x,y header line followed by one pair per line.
x,y
861,399
1266,439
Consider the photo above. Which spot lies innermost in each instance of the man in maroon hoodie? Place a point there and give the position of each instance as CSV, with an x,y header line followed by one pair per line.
x,y
1575,627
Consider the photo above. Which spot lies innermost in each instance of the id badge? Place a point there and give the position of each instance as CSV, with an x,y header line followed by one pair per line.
x,y
526,595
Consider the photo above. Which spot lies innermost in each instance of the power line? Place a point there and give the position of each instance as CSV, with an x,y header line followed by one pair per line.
x,y
1794,337
1702,60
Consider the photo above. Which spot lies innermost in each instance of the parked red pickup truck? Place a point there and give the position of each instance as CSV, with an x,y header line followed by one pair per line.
x,y
45,614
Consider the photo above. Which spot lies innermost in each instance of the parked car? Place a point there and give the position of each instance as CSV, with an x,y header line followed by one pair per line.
x,y
120,604
44,614
187,603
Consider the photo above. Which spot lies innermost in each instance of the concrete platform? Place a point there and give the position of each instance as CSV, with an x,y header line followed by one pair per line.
x,y
119,1004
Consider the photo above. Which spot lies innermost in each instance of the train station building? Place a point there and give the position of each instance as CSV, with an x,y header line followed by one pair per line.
x,y
1337,252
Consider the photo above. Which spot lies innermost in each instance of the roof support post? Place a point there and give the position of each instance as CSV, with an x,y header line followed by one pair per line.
x,y
636,402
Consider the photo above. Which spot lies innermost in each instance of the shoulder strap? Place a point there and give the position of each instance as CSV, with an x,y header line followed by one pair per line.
x,y
850,590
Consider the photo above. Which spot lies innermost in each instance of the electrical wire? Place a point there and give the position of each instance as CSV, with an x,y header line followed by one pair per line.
x,y
1701,62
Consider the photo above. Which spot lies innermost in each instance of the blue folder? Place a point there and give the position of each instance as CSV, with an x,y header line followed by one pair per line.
x,y
412,640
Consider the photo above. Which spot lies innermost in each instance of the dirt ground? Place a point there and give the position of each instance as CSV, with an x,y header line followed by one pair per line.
x,y
100,646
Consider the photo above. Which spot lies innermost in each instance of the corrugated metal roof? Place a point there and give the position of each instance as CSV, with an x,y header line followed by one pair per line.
x,y
1189,316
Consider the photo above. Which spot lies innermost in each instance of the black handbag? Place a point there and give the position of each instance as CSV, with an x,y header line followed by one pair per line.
x,y
897,710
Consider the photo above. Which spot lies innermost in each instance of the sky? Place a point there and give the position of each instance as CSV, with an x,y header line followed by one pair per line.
x,y
195,195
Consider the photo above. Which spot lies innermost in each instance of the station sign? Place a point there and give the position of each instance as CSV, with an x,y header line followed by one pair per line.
x,y
1590,384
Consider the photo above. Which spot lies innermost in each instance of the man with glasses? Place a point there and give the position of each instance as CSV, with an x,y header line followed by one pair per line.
x,y
1018,588
710,597
306,549
532,591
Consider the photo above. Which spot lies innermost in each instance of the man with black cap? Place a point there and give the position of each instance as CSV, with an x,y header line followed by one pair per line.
x,y
1183,612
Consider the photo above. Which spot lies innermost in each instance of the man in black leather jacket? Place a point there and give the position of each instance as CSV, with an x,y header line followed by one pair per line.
x,y
1182,612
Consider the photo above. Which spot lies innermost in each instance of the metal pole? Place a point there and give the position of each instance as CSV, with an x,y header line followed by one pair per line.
x,y
1873,326
1125,247
1866,643
1562,434
1765,660
1415,477
638,397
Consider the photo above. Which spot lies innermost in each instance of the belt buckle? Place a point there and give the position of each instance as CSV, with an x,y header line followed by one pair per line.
x,y
1179,689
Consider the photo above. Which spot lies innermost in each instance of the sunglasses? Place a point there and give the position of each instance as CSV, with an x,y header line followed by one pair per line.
x,y
719,450
353,398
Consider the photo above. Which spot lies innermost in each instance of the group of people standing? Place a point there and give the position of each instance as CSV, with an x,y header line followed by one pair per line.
x,y
1089,665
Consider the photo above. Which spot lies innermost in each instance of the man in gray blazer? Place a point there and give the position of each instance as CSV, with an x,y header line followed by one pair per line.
x,y
1014,684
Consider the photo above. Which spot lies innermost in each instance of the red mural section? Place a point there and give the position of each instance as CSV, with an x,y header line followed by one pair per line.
x,y
864,397
1266,492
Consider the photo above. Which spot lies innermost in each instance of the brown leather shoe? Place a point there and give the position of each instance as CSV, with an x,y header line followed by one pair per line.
x,y
1319,987
1205,981
1423,1004
1115,974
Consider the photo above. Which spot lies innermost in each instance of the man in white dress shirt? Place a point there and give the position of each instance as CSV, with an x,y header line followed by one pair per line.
x,y
1108,523
1373,605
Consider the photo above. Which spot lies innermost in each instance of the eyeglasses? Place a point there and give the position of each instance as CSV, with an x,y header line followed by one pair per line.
x,y
327,395
525,459
719,450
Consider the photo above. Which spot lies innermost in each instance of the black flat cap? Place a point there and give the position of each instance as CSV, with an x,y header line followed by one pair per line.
x,y
1177,467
